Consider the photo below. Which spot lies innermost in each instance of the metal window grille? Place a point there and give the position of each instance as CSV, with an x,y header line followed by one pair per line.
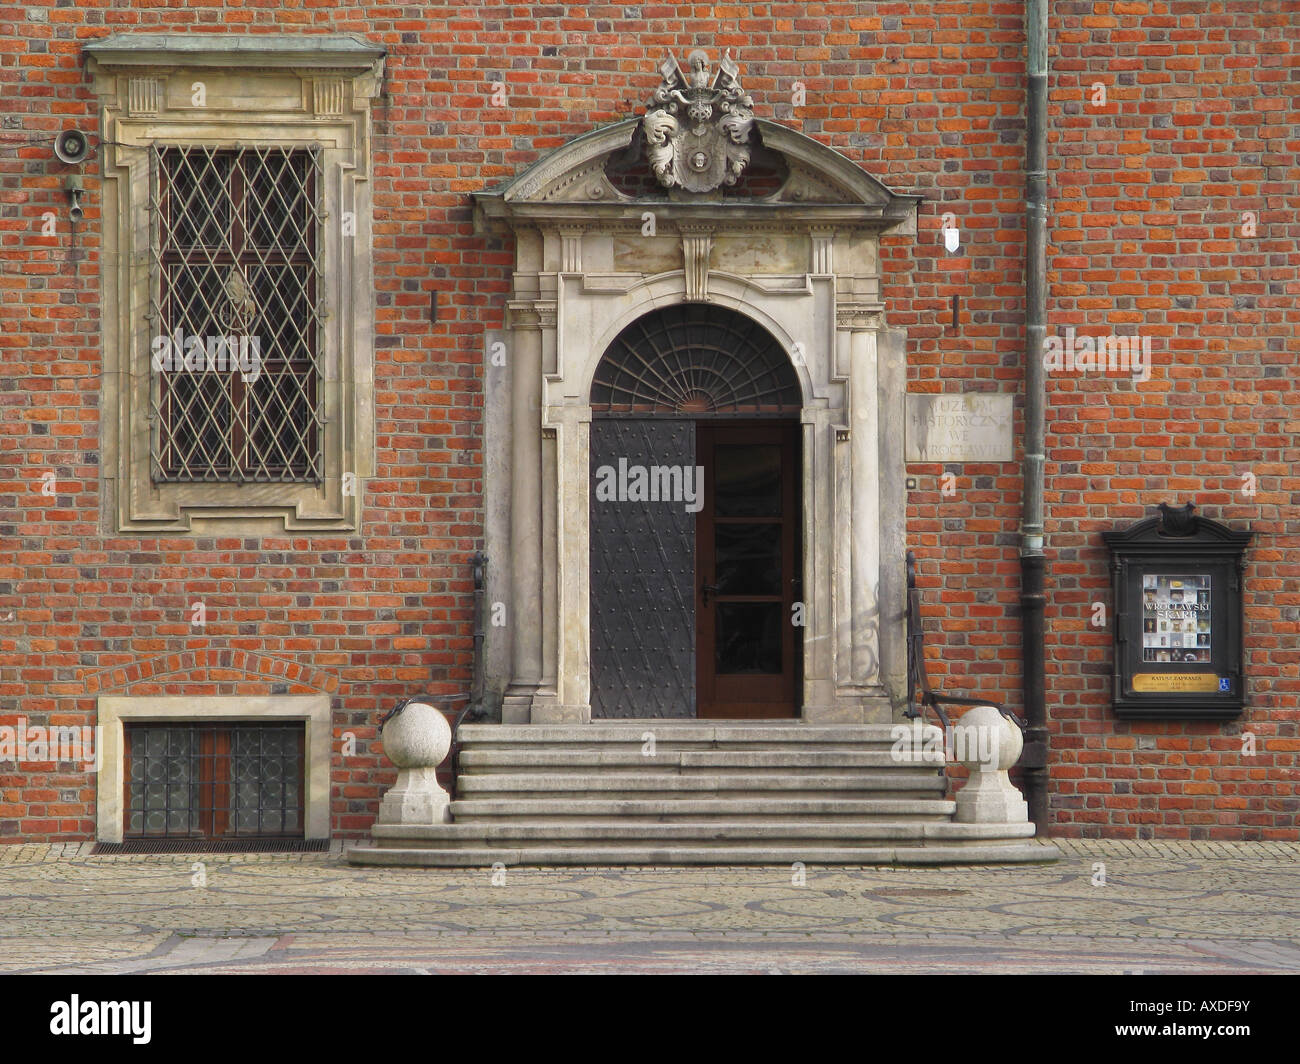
x,y
236,313
698,360
214,781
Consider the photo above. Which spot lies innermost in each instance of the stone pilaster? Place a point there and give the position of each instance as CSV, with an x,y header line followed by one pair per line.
x,y
525,615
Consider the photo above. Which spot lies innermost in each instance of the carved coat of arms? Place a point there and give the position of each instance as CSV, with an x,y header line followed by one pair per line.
x,y
697,129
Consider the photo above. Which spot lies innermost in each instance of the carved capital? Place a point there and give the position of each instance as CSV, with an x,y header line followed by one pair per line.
x,y
522,314
857,318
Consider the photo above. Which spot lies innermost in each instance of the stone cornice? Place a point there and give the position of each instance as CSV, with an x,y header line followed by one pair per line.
x,y
337,53
727,215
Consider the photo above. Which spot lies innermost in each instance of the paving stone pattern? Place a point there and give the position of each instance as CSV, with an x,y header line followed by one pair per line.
x,y
1165,907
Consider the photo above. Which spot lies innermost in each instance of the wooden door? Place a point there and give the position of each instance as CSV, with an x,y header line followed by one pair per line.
x,y
747,570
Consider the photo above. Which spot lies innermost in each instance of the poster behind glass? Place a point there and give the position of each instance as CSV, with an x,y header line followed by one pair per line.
x,y
1176,618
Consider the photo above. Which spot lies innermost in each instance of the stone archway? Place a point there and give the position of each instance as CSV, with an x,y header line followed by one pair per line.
x,y
800,257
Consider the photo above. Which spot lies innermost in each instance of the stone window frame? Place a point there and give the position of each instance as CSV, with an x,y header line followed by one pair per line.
x,y
283,90
117,710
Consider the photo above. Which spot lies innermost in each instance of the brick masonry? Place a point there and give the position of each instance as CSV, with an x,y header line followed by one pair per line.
x,y
1175,215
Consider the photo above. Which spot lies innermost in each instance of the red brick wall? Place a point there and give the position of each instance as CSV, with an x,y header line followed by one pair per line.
x,y
1150,234
1148,196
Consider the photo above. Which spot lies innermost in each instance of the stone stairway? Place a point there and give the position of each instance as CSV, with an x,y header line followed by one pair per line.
x,y
695,792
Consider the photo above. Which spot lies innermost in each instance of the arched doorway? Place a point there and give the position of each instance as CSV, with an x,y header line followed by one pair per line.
x,y
695,520
595,255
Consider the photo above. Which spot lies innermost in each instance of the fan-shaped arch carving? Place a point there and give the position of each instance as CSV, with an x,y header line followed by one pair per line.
x,y
695,360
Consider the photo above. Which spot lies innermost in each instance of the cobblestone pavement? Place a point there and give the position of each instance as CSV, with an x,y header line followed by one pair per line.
x,y
1164,907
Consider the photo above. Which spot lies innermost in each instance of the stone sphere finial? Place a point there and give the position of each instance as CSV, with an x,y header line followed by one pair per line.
x,y
417,739
988,745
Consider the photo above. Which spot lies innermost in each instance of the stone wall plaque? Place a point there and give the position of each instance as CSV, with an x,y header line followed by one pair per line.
x,y
970,427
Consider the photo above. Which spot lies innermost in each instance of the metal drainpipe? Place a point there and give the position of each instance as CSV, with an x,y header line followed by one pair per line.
x,y
1032,557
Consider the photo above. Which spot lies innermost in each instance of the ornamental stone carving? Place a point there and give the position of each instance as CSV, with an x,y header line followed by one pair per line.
x,y
698,130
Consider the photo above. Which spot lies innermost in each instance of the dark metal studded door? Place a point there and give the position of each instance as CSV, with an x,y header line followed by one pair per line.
x,y
643,488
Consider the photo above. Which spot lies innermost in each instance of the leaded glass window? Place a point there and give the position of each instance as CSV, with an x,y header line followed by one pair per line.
x,y
236,315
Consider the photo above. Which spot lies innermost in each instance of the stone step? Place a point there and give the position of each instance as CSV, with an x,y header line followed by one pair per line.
x,y
680,735
476,760
546,810
644,784
717,833
714,793
1013,851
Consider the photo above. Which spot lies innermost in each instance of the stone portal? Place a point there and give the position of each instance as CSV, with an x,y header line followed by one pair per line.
x,y
791,246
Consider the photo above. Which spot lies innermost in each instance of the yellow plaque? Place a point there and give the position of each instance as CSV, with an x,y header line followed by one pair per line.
x,y
1175,681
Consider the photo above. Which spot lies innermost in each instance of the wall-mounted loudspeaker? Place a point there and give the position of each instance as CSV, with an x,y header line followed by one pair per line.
x,y
71,146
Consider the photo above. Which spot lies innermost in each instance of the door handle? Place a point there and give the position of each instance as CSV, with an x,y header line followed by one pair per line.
x,y
706,589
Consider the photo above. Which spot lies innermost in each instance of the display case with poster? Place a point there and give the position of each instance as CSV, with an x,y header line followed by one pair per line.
x,y
1177,586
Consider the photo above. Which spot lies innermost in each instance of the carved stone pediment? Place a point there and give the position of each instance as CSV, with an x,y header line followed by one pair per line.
x,y
588,184
806,186
697,129
697,140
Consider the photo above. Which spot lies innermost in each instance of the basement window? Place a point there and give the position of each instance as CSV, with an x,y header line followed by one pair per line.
x,y
214,781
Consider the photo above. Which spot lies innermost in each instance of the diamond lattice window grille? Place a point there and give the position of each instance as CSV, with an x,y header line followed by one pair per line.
x,y
236,314
697,360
